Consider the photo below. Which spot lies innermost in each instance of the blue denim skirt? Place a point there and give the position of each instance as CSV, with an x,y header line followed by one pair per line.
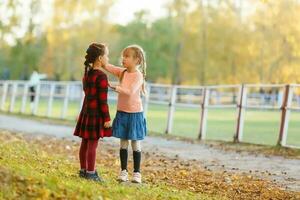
x,y
129,126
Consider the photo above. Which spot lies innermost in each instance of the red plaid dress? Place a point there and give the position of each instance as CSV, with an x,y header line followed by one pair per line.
x,y
94,112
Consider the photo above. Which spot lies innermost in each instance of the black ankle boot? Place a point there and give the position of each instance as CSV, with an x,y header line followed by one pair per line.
x,y
82,173
94,177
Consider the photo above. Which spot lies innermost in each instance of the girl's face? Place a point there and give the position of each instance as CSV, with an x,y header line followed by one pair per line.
x,y
104,59
128,59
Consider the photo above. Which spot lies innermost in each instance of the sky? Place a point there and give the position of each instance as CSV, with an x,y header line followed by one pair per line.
x,y
123,11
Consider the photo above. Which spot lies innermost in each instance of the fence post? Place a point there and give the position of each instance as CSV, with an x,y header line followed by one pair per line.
x,y
81,100
146,100
203,120
24,98
50,102
36,99
13,97
171,109
4,95
66,101
285,115
238,137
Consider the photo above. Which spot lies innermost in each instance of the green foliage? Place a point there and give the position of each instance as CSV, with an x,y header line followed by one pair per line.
x,y
196,43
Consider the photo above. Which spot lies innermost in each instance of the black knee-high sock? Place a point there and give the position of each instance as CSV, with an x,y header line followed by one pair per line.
x,y
123,158
137,160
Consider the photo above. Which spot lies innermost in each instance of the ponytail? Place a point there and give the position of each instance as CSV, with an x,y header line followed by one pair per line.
x,y
143,68
87,67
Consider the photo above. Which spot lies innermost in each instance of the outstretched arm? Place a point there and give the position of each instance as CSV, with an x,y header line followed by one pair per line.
x,y
116,71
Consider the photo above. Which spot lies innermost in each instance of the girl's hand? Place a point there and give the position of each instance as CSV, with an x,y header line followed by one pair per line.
x,y
104,66
113,87
107,124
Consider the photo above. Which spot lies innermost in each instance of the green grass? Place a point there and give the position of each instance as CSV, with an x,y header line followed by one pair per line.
x,y
261,127
27,171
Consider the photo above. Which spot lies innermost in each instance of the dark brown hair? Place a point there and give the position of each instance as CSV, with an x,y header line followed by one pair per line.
x,y
92,53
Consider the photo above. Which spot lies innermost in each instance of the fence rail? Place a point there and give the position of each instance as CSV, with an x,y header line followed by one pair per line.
x,y
281,97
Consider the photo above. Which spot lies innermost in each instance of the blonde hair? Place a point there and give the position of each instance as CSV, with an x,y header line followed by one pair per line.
x,y
140,54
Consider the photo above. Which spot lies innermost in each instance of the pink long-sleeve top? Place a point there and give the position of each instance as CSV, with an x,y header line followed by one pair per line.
x,y
129,90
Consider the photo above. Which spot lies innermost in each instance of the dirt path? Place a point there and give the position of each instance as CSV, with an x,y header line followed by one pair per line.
x,y
285,172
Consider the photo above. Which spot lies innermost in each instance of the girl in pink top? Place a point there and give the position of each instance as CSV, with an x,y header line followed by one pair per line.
x,y
130,123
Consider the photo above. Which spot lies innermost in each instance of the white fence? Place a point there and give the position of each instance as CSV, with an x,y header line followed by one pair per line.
x,y
284,98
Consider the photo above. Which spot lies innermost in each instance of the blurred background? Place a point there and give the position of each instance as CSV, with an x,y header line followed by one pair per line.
x,y
187,41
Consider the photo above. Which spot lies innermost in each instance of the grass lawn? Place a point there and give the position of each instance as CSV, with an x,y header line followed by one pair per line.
x,y
33,170
44,167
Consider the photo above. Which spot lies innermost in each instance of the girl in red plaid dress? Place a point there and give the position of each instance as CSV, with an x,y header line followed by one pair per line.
x,y
94,119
